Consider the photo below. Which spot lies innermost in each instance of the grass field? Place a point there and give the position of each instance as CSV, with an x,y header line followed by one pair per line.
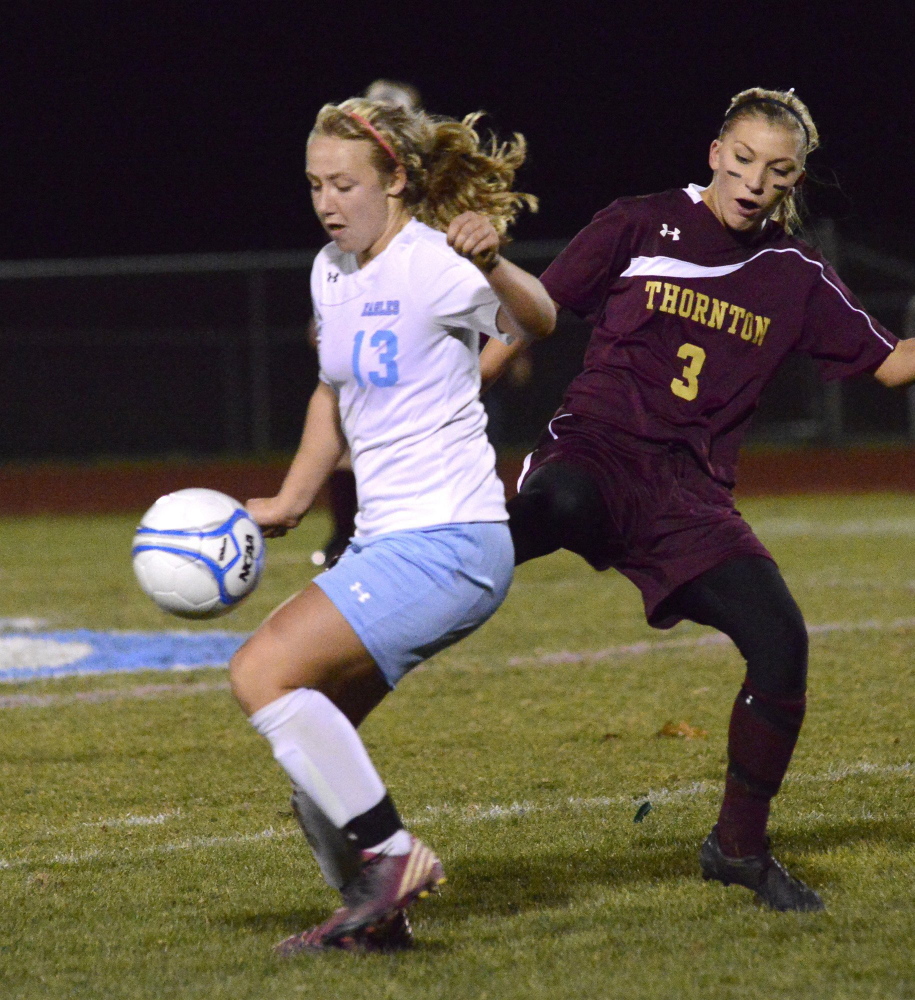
x,y
147,848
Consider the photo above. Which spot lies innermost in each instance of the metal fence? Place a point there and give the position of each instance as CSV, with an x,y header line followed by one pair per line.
x,y
205,354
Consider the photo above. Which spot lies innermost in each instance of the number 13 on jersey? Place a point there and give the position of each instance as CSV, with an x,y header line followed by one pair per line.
x,y
687,386
385,342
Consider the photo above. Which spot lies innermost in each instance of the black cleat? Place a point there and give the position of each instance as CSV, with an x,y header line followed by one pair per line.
x,y
761,873
395,934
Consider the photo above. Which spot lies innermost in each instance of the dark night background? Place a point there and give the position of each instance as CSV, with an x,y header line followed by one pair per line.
x,y
174,127
146,128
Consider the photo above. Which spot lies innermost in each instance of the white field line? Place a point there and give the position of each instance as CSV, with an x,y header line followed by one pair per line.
x,y
798,527
191,844
467,814
22,624
94,697
113,822
480,814
711,639
131,820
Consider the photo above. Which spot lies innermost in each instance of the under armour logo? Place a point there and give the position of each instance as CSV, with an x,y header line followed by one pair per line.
x,y
673,233
333,275
363,595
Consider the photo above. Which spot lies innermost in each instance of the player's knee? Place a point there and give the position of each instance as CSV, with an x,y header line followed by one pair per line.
x,y
563,502
778,664
245,680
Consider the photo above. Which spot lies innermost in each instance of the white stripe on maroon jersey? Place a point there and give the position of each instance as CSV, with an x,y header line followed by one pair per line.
x,y
671,267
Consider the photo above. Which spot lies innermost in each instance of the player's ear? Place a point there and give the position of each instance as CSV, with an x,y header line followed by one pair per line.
x,y
398,181
714,157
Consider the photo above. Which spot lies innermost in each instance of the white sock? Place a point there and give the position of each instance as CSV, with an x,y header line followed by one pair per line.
x,y
398,843
320,750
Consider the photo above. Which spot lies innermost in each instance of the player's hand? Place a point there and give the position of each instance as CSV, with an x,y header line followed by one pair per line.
x,y
273,516
473,235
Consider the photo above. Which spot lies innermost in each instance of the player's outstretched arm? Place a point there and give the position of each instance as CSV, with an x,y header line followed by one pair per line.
x,y
527,310
899,367
496,358
318,453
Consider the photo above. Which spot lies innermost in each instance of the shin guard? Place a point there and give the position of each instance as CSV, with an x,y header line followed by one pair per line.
x,y
336,853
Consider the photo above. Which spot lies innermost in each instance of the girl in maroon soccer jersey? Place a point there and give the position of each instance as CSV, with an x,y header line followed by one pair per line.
x,y
696,295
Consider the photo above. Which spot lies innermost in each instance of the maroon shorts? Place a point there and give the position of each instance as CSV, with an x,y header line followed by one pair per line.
x,y
670,521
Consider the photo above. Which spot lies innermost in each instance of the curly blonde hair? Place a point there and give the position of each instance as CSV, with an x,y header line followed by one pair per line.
x,y
449,168
784,108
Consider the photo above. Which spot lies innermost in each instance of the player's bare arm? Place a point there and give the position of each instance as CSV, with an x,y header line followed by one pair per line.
x,y
318,453
496,358
527,311
899,367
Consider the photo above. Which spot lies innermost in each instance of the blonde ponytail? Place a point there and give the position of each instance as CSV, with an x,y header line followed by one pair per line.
x,y
449,169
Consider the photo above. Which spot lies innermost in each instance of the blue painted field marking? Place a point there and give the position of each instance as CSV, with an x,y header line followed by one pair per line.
x,y
30,655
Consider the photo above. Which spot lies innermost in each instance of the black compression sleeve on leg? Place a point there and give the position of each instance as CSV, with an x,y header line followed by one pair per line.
x,y
559,507
531,530
748,600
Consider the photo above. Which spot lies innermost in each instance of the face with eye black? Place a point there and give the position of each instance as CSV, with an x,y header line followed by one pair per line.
x,y
756,164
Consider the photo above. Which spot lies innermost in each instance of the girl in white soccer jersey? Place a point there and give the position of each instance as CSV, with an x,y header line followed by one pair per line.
x,y
416,209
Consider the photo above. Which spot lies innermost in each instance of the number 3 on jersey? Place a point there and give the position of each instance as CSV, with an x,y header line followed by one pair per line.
x,y
687,387
386,340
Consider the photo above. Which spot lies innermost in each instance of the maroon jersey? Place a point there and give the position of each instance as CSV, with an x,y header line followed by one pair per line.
x,y
691,321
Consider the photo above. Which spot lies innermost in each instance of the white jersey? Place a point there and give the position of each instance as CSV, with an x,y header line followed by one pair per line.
x,y
398,342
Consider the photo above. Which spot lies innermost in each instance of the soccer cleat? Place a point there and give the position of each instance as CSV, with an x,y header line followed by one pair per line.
x,y
387,883
389,935
372,917
394,934
761,873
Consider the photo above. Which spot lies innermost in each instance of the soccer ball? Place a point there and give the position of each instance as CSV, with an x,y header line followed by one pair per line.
x,y
197,553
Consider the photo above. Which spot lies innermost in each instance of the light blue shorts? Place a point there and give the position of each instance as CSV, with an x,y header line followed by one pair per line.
x,y
409,594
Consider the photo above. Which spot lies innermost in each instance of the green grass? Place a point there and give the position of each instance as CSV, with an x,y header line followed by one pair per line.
x,y
150,851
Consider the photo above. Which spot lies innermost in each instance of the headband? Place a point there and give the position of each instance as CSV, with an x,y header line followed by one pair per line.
x,y
376,135
770,100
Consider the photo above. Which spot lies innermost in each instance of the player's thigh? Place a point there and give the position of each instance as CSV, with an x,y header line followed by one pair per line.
x,y
306,642
561,504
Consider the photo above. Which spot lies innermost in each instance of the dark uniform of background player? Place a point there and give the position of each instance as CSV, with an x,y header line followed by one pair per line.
x,y
696,296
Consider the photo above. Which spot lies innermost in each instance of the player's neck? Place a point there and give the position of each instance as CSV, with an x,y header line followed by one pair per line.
x,y
397,219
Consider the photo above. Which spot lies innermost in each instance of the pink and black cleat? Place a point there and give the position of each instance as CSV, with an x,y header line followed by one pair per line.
x,y
373,916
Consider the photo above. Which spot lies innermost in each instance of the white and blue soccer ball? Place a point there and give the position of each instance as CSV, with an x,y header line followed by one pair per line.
x,y
197,553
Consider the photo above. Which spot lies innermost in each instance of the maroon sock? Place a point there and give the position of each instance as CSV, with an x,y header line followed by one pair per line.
x,y
761,738
342,494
